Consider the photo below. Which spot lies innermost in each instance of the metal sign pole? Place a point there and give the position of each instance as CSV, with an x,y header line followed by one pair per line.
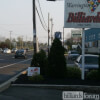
x,y
83,52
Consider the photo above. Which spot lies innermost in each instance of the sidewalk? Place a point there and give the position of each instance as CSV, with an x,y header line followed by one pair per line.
x,y
30,93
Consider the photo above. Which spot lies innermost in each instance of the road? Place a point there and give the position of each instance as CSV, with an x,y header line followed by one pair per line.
x,y
9,66
29,93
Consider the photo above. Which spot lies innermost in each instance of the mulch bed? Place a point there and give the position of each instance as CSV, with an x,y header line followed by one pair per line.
x,y
23,79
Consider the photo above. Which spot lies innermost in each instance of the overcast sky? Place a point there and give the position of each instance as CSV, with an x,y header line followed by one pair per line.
x,y
16,16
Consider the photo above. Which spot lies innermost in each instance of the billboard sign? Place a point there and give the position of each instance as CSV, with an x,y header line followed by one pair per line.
x,y
82,14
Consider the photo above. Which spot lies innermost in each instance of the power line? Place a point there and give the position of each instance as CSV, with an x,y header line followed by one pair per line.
x,y
42,13
40,19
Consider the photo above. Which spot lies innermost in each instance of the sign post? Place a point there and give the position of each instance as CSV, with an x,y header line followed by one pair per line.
x,y
82,14
83,52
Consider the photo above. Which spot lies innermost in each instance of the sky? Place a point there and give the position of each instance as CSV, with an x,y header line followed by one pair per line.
x,y
16,16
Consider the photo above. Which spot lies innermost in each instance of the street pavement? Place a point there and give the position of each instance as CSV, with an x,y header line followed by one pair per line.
x,y
9,66
29,93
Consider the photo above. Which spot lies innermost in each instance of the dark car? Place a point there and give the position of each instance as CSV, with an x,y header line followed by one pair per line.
x,y
20,54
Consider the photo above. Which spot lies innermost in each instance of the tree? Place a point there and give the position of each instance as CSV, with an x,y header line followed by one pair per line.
x,y
69,43
4,45
40,60
20,42
7,41
57,60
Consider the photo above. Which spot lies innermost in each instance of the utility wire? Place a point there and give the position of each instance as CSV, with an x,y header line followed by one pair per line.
x,y
42,13
40,19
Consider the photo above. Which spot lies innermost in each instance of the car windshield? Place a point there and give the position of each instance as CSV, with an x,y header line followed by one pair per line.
x,y
14,49
20,51
90,60
74,52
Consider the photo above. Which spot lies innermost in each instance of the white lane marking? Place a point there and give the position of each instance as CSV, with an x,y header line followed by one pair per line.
x,y
1,59
14,63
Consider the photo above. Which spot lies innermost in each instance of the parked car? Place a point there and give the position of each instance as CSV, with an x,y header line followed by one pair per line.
x,y
7,51
14,50
91,62
73,55
20,54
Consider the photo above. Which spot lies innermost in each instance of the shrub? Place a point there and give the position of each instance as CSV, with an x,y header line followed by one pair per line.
x,y
93,75
99,62
56,60
40,60
36,78
73,72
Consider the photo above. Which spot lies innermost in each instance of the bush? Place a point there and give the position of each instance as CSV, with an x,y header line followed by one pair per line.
x,y
99,63
37,78
57,60
40,60
73,72
93,75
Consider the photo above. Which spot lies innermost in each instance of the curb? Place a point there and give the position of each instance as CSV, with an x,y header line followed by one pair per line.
x,y
7,84
85,88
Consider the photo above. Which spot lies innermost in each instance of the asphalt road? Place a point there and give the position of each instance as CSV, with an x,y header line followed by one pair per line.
x,y
9,66
29,93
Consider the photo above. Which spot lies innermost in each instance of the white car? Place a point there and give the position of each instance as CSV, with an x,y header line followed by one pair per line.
x,y
7,51
73,55
91,62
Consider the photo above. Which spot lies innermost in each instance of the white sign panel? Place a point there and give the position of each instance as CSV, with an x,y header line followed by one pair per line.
x,y
82,14
76,33
32,71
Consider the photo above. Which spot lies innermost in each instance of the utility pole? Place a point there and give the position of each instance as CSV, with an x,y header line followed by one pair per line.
x,y
22,42
26,42
34,27
48,33
10,39
63,36
51,30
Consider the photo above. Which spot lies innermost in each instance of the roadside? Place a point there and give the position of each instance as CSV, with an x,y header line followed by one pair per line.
x,y
41,92
30,93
